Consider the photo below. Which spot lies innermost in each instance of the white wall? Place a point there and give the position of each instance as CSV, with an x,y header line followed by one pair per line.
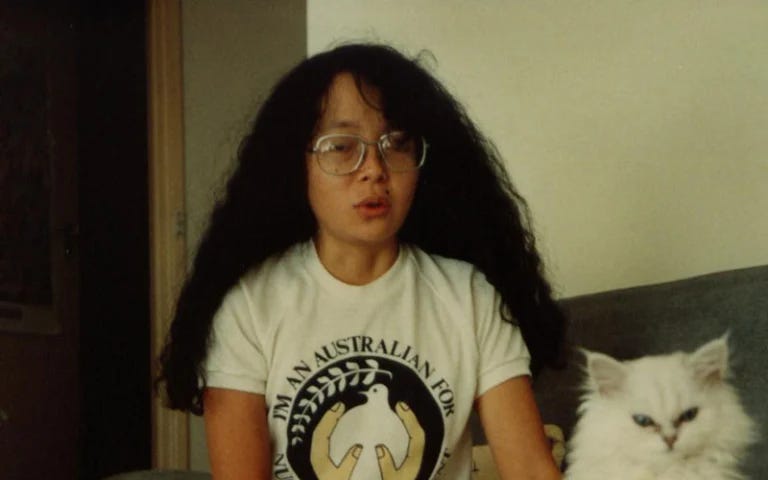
x,y
636,130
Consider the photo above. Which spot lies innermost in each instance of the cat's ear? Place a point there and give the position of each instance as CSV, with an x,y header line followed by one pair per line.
x,y
710,361
606,373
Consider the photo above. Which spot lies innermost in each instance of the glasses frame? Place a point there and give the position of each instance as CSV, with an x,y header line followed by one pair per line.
x,y
379,144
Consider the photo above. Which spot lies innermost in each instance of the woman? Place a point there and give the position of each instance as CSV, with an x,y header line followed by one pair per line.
x,y
368,280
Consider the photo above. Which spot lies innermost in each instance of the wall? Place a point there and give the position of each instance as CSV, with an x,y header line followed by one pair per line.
x,y
232,56
636,130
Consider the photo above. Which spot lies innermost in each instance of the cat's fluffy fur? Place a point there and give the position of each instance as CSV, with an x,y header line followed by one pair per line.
x,y
665,417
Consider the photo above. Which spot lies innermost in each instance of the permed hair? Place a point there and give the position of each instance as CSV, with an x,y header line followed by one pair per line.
x,y
465,207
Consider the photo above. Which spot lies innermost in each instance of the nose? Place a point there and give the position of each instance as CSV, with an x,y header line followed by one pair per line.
x,y
373,167
670,440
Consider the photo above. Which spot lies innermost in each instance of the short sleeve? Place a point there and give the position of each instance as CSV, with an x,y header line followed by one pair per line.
x,y
236,358
502,352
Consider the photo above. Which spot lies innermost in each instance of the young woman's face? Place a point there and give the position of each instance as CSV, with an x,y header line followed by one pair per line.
x,y
368,206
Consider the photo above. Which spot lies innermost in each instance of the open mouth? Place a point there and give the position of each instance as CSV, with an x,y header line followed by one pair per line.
x,y
373,203
373,206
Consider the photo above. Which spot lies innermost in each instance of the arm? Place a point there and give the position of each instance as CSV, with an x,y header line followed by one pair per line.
x,y
514,431
237,434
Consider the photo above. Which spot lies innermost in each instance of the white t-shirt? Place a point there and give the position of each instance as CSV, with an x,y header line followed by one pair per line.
x,y
349,369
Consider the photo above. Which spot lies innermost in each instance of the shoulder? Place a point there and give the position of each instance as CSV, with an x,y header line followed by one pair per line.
x,y
270,280
281,266
449,274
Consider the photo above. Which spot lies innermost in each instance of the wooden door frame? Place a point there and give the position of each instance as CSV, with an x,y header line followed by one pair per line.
x,y
170,429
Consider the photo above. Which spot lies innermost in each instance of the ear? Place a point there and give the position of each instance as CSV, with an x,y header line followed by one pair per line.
x,y
710,361
607,373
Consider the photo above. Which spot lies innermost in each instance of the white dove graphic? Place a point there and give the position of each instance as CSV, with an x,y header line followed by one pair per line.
x,y
370,424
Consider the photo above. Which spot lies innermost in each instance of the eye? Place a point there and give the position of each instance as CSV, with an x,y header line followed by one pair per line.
x,y
398,141
688,415
337,144
335,147
643,420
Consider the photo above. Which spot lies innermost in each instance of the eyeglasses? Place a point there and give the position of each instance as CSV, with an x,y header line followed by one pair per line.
x,y
342,154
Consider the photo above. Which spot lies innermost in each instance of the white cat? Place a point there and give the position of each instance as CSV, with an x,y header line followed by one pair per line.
x,y
665,417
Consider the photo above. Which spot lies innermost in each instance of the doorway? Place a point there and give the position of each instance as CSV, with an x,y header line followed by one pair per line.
x,y
112,153
74,379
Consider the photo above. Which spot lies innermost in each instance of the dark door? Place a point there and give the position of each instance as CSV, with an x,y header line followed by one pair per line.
x,y
74,314
39,383
114,242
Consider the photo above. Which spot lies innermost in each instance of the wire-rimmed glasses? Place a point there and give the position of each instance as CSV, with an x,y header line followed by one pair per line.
x,y
342,153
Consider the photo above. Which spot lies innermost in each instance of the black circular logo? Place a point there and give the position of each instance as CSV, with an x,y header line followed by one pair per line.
x,y
364,414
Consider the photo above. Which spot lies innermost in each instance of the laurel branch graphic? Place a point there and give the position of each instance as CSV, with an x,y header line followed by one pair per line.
x,y
338,378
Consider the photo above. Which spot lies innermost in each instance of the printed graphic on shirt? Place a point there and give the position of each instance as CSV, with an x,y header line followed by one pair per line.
x,y
376,411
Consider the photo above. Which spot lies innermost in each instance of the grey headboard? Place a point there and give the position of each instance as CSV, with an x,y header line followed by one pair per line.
x,y
661,318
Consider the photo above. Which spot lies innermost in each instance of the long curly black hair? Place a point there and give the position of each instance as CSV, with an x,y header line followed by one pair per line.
x,y
465,207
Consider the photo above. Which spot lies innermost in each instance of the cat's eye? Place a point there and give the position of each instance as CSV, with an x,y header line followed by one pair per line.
x,y
643,420
688,415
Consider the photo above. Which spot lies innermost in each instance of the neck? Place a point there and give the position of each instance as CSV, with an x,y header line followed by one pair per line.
x,y
356,264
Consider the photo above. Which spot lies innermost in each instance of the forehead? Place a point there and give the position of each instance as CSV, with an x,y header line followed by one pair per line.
x,y
662,385
350,103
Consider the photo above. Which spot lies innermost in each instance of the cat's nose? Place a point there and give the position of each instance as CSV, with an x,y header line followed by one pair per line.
x,y
670,440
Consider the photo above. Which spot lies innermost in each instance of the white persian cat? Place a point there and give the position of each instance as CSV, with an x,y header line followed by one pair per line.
x,y
664,417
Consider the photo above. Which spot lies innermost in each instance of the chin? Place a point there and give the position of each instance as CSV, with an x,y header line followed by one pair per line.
x,y
377,241
376,234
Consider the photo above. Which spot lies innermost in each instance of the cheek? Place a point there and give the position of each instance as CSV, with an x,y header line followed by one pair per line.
x,y
704,428
312,187
406,187
315,193
319,200
323,191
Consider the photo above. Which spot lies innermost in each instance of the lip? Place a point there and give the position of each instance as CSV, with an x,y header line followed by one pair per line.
x,y
373,206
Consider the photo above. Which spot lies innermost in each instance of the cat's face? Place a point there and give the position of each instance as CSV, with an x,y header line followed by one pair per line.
x,y
663,407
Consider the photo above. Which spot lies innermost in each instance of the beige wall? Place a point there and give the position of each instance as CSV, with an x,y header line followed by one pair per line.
x,y
636,130
234,51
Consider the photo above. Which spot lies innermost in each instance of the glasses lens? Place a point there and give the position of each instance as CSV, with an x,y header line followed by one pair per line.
x,y
402,151
338,154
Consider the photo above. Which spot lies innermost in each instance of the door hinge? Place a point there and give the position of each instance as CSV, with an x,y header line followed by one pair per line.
x,y
181,224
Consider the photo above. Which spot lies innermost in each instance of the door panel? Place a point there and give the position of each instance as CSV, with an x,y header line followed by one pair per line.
x,y
39,383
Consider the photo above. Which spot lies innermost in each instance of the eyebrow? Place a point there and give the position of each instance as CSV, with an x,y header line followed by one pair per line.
x,y
342,124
